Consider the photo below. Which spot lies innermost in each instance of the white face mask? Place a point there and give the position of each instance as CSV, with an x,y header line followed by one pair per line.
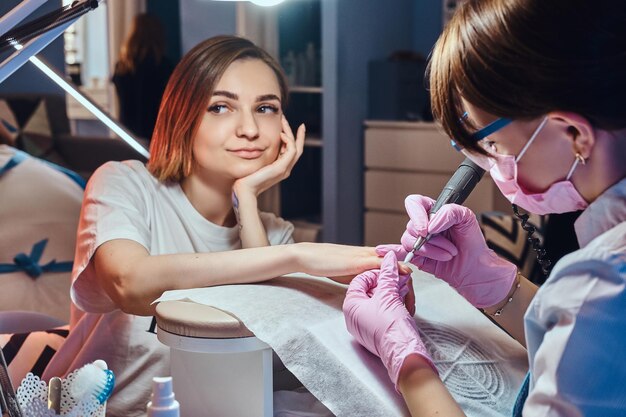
x,y
560,197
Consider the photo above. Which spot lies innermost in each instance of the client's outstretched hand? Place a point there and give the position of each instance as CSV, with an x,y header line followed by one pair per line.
x,y
377,318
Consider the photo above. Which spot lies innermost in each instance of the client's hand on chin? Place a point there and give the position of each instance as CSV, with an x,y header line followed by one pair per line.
x,y
290,151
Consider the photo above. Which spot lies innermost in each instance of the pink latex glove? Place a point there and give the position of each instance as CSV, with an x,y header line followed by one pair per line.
x,y
406,293
457,253
377,318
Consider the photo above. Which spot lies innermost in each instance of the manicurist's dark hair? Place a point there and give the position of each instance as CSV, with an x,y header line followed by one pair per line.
x,y
522,59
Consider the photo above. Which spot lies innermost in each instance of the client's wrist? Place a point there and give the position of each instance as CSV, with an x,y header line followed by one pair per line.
x,y
245,199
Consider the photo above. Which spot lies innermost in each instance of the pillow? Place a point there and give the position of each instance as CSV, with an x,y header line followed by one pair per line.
x,y
39,204
36,120
31,352
9,128
36,136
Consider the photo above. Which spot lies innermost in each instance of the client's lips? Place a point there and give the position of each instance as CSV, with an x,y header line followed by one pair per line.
x,y
245,153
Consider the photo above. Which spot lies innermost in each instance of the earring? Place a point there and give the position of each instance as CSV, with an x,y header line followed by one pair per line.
x,y
580,159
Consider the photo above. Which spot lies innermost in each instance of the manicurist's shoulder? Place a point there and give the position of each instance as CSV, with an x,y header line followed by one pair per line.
x,y
573,329
594,275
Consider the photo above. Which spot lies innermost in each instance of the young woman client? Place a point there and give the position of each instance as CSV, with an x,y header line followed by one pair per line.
x,y
190,217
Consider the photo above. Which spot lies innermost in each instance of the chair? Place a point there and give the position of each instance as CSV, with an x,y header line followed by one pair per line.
x,y
38,124
27,321
38,221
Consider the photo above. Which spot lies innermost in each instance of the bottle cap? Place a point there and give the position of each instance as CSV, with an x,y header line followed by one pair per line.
x,y
162,393
162,403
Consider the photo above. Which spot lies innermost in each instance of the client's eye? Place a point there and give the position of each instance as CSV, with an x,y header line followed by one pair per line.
x,y
267,108
218,108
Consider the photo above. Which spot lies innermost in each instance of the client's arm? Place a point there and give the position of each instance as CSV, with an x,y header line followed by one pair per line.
x,y
133,278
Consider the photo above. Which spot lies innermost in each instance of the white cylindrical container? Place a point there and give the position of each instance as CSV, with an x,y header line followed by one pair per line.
x,y
218,366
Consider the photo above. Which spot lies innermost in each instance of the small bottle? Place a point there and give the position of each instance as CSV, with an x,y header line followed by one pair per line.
x,y
162,402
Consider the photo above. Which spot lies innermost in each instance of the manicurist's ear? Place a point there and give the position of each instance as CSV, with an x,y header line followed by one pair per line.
x,y
578,129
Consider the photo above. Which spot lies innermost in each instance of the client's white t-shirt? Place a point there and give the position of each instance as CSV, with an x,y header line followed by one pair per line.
x,y
124,201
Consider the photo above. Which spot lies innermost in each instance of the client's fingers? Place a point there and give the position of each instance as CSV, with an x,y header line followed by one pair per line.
x,y
404,269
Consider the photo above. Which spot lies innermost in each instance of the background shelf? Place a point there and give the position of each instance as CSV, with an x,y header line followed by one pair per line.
x,y
305,89
313,142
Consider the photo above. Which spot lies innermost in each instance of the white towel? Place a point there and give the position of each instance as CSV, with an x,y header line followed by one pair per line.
x,y
300,317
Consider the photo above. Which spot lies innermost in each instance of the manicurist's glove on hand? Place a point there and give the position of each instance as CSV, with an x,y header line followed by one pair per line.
x,y
456,253
377,318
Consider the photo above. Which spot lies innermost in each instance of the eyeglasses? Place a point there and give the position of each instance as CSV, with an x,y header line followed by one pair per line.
x,y
480,136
